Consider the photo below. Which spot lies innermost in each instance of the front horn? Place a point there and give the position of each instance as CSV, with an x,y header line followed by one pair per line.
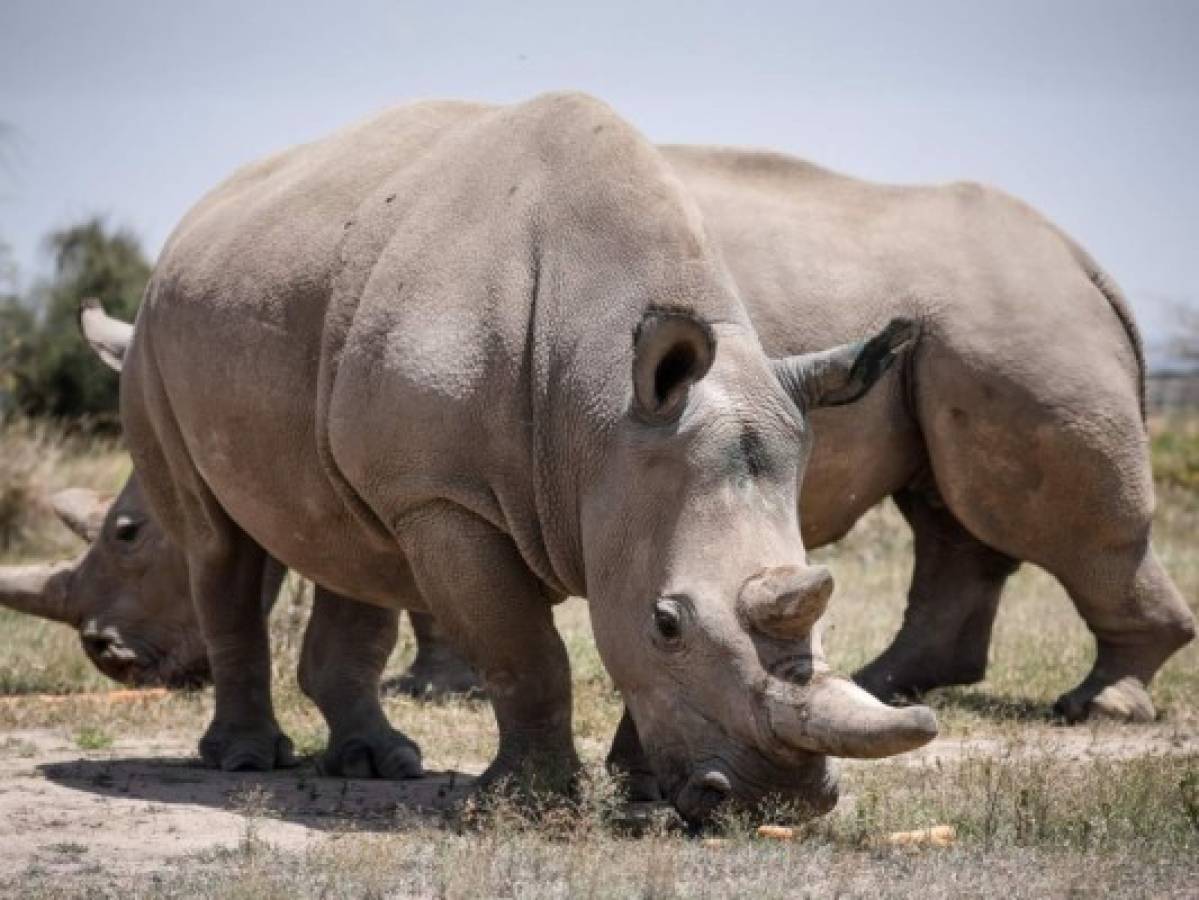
x,y
41,590
836,717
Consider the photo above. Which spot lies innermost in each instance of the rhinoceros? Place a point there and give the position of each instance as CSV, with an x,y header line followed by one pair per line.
x,y
471,360
127,596
817,257
1013,432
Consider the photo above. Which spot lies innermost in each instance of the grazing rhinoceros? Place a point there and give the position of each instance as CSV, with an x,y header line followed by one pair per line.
x,y
128,598
472,360
818,257
127,595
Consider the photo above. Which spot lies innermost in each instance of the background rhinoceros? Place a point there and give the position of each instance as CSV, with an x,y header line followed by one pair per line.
x,y
818,257
472,360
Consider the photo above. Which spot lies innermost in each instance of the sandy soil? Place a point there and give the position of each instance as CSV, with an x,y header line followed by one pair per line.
x,y
141,805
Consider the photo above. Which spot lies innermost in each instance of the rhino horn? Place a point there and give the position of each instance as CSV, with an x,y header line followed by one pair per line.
x,y
785,602
40,590
844,374
82,510
109,337
838,718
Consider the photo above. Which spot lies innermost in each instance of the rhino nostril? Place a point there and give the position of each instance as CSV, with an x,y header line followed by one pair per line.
x,y
717,783
96,643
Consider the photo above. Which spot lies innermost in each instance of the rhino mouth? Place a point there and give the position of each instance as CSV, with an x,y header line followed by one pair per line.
x,y
749,780
138,664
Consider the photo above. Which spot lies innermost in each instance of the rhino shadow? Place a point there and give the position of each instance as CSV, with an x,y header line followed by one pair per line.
x,y
299,795
996,707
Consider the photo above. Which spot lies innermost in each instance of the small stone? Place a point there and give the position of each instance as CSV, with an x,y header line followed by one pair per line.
x,y
776,832
936,836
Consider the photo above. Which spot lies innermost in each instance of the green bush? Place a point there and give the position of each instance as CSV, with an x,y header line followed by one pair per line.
x,y
48,370
1175,449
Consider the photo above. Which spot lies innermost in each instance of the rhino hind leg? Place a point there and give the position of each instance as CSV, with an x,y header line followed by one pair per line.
x,y
495,610
1139,620
954,595
1049,464
439,670
346,645
226,577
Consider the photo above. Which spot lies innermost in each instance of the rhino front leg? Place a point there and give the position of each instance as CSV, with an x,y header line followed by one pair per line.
x,y
226,579
346,646
627,761
439,670
485,596
956,584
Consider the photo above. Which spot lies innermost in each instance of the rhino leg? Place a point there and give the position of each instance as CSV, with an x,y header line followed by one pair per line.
x,y
627,761
226,579
346,645
1047,461
1139,620
494,609
439,670
954,595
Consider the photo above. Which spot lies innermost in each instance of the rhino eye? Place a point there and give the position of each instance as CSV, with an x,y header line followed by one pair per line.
x,y
668,621
125,530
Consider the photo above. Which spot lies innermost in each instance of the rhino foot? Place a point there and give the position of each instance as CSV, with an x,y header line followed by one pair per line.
x,y
436,682
1125,700
533,776
247,749
381,753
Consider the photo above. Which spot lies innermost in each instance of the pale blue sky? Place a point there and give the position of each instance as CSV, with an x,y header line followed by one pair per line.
x,y
1089,110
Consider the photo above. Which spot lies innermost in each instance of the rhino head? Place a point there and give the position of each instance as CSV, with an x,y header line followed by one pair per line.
x,y
127,595
709,612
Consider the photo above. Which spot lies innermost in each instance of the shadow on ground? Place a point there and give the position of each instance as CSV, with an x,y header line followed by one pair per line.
x,y
990,706
296,795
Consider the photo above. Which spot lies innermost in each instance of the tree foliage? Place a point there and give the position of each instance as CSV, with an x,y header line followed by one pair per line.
x,y
49,370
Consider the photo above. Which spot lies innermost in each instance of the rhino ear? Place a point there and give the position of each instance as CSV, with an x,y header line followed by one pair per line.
x,y
672,350
82,511
109,337
843,374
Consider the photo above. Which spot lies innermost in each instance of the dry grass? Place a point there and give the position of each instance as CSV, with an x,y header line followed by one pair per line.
x,y
1031,820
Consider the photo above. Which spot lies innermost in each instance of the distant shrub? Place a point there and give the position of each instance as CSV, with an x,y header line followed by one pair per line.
x,y
27,452
47,369
1175,448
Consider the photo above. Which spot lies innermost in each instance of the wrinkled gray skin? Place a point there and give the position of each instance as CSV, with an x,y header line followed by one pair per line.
x,y
817,258
470,361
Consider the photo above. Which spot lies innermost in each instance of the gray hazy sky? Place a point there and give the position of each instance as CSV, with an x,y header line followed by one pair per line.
x,y
1089,110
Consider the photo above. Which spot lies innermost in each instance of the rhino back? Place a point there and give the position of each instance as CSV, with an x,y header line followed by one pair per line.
x,y
235,316
359,326
821,258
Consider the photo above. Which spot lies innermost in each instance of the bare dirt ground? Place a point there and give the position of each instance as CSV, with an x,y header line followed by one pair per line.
x,y
140,805
143,806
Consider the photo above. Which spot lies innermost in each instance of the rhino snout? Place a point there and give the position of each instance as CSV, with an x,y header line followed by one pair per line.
x,y
811,784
